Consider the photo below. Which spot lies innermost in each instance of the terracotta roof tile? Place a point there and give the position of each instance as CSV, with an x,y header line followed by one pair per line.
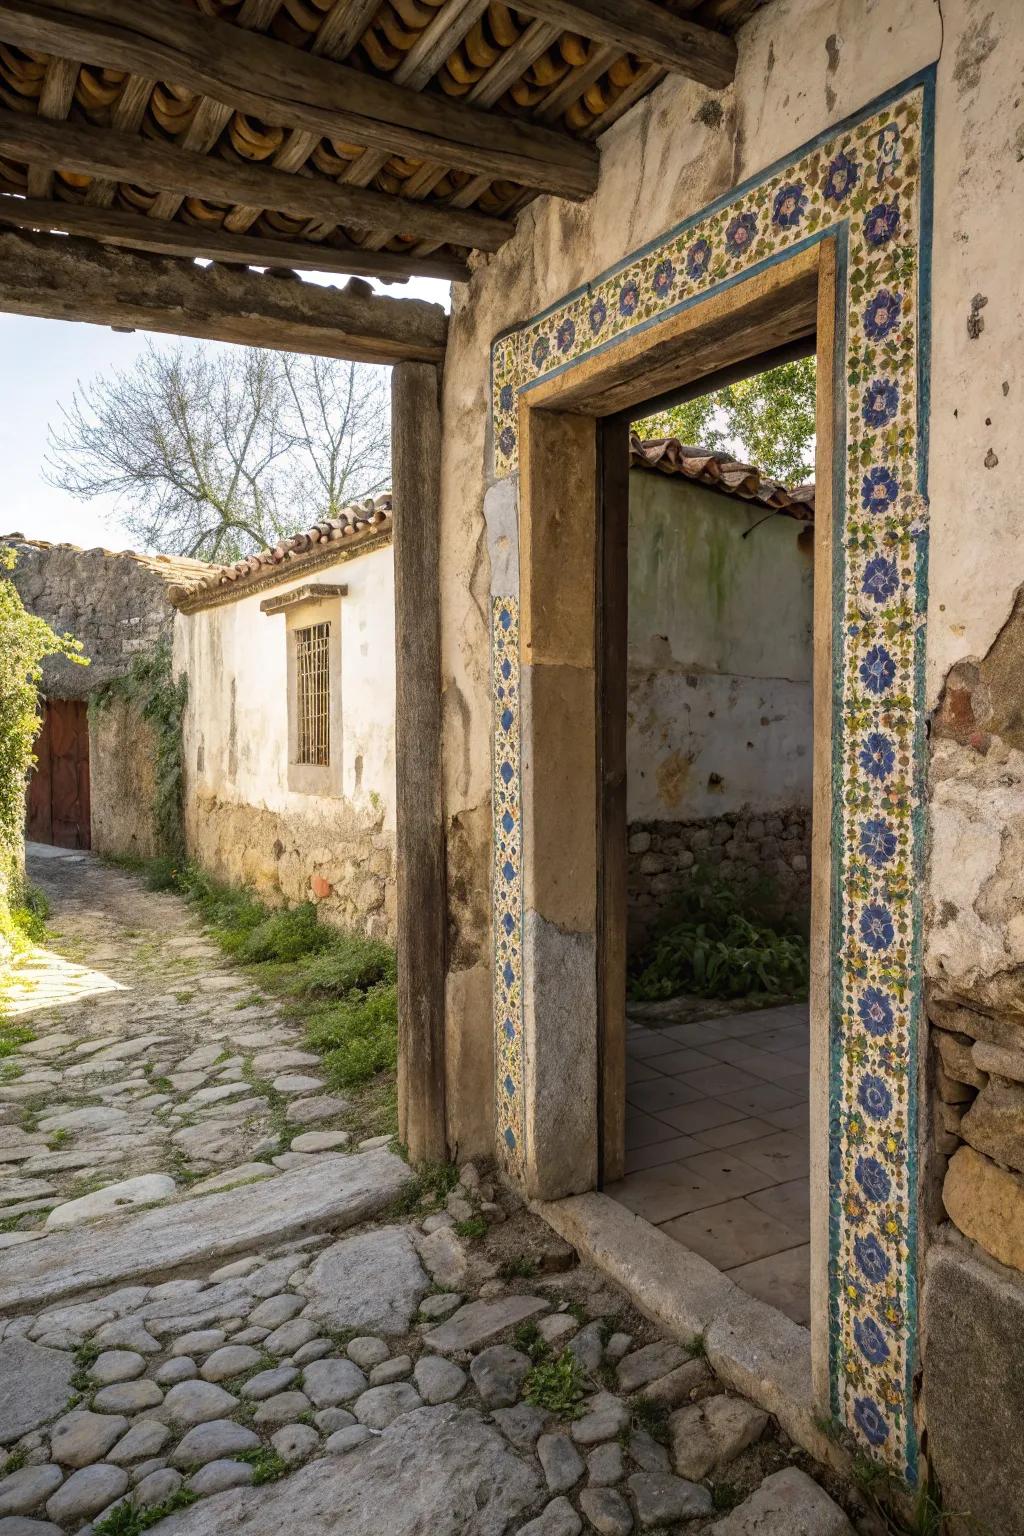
x,y
720,472
356,523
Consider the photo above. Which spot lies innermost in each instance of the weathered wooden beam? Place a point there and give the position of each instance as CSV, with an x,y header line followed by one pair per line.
x,y
419,837
644,28
62,278
293,88
138,232
102,152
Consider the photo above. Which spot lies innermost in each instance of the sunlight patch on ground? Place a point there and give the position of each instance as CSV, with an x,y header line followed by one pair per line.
x,y
42,979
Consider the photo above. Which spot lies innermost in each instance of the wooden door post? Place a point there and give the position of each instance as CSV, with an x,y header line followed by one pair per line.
x,y
420,849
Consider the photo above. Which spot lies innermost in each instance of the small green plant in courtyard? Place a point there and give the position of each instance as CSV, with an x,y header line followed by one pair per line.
x,y
716,941
473,1226
58,1139
557,1386
528,1338
13,1037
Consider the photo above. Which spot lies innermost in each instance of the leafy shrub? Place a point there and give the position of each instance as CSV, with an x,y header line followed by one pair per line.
x,y
358,1035
285,935
714,942
347,963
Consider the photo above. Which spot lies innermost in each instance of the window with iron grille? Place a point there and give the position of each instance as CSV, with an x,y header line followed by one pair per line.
x,y
313,694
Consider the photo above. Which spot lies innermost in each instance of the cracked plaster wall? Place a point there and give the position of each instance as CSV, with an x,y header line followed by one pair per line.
x,y
803,65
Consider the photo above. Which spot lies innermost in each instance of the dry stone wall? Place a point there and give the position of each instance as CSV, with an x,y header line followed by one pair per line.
x,y
741,847
341,858
114,605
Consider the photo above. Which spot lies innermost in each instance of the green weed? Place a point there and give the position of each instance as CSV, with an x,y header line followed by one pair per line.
x,y
13,1037
474,1227
357,1035
58,1139
557,1386
267,1465
717,941
519,1268
85,1357
528,1338
650,1417
348,963
130,1519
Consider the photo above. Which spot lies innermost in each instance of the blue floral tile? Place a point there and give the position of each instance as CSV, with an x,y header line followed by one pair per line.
x,y
867,180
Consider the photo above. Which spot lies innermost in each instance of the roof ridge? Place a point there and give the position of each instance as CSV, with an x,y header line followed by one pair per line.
x,y
721,472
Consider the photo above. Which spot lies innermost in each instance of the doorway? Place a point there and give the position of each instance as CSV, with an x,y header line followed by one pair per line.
x,y
58,790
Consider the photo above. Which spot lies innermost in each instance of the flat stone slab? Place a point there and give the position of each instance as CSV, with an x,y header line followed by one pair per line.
x,y
474,1324
333,1192
374,1282
112,1199
787,1502
441,1470
35,1384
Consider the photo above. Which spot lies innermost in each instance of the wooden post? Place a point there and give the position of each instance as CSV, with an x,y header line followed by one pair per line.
x,y
422,925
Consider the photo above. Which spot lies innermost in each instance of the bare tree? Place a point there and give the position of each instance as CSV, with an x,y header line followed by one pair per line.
x,y
215,452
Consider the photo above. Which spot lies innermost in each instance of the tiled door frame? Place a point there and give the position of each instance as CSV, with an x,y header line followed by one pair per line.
x,y
837,237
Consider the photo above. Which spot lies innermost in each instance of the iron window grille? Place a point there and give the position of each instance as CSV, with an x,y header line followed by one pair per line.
x,y
313,695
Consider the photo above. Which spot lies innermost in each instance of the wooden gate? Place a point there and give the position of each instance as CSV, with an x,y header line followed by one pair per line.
x,y
58,791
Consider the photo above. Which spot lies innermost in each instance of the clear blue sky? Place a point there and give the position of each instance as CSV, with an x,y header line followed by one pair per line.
x,y
41,361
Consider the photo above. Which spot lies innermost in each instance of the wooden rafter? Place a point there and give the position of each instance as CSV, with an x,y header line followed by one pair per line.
x,y
287,87
165,238
102,152
645,29
63,278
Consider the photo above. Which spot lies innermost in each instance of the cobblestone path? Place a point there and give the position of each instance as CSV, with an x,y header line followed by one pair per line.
x,y
309,1338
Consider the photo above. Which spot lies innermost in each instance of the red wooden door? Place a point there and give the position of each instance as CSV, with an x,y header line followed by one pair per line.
x,y
58,791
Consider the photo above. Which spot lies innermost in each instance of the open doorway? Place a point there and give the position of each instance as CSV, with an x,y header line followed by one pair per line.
x,y
718,722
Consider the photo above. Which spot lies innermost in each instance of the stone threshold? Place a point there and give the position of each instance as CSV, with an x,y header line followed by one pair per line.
x,y
329,1195
752,1347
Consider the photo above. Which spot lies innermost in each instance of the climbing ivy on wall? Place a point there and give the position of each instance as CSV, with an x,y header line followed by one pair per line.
x,y
159,697
25,641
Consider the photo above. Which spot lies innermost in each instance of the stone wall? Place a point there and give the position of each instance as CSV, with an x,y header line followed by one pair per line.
x,y
115,605
122,780
331,854
741,847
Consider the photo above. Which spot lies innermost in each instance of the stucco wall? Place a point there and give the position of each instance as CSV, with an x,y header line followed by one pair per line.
x,y
122,781
719,694
803,65
243,822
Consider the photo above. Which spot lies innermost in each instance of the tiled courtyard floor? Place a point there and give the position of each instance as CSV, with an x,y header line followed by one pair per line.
x,y
717,1143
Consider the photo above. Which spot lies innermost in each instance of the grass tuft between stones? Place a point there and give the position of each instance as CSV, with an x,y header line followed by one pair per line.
x,y
130,1518
557,1386
267,1465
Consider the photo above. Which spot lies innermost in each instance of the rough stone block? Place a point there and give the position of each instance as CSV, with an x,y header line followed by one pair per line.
x,y
986,1202
994,1123
974,1387
955,1053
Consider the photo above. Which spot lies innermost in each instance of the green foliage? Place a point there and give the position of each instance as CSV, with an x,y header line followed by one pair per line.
x,y
358,1035
473,1226
130,1518
767,420
714,942
557,1385
528,1338
267,1465
285,935
13,1037
520,1268
160,699
25,641
349,963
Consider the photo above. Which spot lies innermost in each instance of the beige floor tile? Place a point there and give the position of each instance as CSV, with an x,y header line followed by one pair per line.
x,y
795,1117
644,1130
660,1152
732,1234
658,1194
760,1099
734,1133
785,1155
686,1059
727,1173
788,1203
783,1281
691,1119
661,1093
721,1077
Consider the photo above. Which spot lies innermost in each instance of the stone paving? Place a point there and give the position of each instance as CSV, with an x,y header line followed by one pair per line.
x,y
391,1358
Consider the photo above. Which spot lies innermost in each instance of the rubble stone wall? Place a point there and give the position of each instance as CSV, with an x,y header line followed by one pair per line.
x,y
742,847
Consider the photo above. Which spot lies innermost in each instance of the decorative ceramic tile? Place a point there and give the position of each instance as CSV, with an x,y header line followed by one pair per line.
x,y
868,182
506,880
